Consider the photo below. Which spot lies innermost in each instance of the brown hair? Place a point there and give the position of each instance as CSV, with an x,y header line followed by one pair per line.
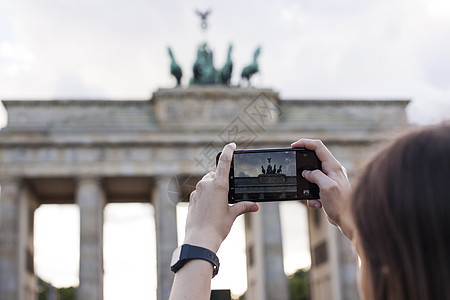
x,y
401,207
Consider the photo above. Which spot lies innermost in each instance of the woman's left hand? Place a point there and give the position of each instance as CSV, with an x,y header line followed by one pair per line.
x,y
210,218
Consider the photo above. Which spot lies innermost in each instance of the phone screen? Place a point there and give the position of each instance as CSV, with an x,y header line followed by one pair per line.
x,y
272,175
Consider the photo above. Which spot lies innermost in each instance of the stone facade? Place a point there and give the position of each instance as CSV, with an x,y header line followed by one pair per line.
x,y
96,152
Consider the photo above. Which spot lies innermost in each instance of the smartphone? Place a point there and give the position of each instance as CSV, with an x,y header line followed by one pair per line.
x,y
265,175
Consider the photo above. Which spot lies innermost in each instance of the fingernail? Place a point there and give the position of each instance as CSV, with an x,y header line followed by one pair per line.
x,y
305,173
233,144
254,207
317,205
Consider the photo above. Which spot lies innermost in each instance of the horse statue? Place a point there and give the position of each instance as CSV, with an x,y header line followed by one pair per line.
x,y
224,75
175,69
252,68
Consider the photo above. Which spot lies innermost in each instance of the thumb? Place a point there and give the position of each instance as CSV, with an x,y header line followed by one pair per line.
x,y
243,207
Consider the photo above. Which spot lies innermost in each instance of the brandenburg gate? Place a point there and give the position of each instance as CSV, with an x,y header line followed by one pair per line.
x,y
92,152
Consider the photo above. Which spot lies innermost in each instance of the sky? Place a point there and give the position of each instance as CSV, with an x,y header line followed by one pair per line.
x,y
322,49
374,49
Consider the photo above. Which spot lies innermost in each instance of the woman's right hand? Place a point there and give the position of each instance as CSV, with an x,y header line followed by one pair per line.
x,y
333,183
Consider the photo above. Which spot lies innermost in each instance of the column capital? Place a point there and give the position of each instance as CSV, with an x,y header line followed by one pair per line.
x,y
89,189
87,178
168,187
10,179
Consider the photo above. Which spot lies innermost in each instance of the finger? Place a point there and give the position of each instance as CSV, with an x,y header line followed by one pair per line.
x,y
318,177
344,171
314,203
243,207
206,177
223,166
192,196
321,150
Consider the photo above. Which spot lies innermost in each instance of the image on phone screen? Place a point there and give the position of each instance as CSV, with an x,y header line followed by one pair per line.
x,y
272,175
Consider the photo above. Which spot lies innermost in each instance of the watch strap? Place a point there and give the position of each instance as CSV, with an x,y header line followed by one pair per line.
x,y
189,252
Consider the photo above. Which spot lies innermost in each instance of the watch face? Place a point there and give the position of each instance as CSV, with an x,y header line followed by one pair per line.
x,y
175,256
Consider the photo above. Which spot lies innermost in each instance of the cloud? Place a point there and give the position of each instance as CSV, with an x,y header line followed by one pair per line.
x,y
242,174
434,50
70,84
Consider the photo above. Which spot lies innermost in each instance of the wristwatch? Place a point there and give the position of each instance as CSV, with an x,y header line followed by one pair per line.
x,y
186,252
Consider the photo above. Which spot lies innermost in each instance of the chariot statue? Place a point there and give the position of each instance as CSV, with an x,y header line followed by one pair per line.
x,y
204,71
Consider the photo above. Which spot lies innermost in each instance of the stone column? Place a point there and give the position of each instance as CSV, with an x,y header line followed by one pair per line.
x,y
265,270
28,204
333,268
166,233
91,200
11,258
348,270
17,206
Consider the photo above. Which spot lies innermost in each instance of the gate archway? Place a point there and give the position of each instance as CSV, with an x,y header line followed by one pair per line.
x,y
97,152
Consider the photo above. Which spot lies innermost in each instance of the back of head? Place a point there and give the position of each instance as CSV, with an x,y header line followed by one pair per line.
x,y
401,207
